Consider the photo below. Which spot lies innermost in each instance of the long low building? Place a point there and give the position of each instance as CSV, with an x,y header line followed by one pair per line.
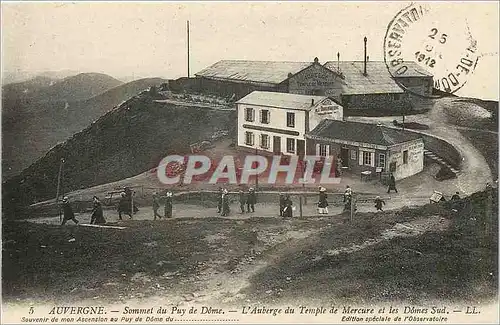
x,y
354,84
368,148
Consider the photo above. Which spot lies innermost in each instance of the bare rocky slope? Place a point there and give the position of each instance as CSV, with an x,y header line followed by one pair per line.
x,y
126,141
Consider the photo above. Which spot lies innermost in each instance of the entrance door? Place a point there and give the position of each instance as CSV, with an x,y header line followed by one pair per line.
x,y
276,145
344,155
301,146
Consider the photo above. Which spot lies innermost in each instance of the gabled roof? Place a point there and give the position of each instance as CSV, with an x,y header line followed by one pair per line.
x,y
271,72
281,100
361,132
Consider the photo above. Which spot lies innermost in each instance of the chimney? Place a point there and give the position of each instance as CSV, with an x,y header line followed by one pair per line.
x,y
312,102
364,72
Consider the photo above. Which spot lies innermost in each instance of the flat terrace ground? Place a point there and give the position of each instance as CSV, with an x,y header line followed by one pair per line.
x,y
409,255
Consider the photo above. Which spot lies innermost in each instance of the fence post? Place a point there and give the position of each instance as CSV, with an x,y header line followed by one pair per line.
x,y
300,205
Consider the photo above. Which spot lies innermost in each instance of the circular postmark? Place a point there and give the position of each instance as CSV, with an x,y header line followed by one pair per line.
x,y
430,48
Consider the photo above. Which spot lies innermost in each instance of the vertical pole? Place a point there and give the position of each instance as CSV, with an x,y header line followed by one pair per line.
x,y
300,205
188,48
59,175
256,175
352,207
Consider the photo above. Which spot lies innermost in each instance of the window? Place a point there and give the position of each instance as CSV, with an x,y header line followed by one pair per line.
x,y
249,114
323,150
381,160
264,116
397,96
290,145
249,138
353,154
405,157
264,141
290,120
367,158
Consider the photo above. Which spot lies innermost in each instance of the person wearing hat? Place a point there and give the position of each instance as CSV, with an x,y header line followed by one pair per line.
x,y
379,203
156,206
251,199
67,211
124,206
225,203
322,202
282,203
347,193
288,210
168,205
243,200
97,217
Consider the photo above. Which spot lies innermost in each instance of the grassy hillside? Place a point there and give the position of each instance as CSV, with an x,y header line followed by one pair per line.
x,y
124,142
36,126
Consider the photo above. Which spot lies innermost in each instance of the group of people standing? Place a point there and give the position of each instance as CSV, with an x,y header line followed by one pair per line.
x,y
167,211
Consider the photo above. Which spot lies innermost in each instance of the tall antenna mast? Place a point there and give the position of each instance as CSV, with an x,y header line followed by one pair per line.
x,y
188,47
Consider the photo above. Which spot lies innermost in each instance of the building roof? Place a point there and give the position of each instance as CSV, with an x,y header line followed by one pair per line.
x,y
281,100
362,132
378,79
271,72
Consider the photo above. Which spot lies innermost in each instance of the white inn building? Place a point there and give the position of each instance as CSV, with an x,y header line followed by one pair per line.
x,y
278,122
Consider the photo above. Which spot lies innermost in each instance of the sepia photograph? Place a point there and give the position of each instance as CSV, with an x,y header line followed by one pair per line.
x,y
249,162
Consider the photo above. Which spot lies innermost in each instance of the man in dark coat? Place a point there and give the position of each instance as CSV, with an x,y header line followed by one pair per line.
x,y
156,206
219,200
379,203
97,217
243,200
455,196
124,206
392,184
225,203
282,203
168,205
67,211
251,200
288,210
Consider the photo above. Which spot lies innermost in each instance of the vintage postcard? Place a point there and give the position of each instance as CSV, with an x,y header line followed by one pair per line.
x,y
249,162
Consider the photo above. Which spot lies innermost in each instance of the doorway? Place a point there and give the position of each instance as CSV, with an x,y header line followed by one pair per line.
x,y
344,155
301,148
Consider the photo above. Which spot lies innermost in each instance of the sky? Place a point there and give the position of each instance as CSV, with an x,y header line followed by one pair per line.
x,y
148,39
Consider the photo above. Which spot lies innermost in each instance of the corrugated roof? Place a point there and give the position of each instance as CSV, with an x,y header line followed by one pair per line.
x,y
281,100
273,72
377,81
362,132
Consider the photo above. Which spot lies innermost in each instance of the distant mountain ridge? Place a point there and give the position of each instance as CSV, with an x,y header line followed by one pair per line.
x,y
31,127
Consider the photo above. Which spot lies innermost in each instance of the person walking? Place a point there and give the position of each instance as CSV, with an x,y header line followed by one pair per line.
x,y
97,217
379,203
124,206
168,205
392,184
288,210
67,211
282,203
455,196
243,200
322,202
251,200
156,206
225,203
